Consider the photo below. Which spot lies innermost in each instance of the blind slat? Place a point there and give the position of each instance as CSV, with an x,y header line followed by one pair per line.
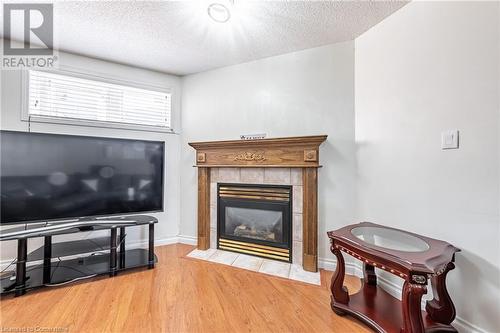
x,y
47,88
81,104
90,115
83,119
66,79
69,97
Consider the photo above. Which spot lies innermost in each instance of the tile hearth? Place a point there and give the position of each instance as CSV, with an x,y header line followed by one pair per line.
x,y
256,264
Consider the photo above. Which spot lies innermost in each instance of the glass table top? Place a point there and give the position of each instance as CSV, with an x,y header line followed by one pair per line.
x,y
390,239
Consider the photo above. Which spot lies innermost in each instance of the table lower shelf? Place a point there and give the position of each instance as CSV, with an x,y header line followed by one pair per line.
x,y
381,311
71,269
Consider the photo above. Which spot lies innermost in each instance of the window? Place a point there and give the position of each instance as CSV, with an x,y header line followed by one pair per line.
x,y
71,98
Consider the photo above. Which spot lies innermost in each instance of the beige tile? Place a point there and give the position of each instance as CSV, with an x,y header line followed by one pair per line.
x,y
297,199
256,264
279,176
213,194
229,175
296,176
252,175
297,253
201,254
214,175
213,217
299,274
275,268
223,257
297,227
248,262
213,238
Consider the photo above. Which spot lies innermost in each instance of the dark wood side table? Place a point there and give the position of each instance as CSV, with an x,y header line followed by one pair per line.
x,y
414,258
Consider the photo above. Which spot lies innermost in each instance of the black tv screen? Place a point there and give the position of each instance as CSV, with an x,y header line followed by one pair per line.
x,y
49,177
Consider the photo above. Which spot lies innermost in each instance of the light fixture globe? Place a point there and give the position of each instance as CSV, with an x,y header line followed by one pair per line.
x,y
219,13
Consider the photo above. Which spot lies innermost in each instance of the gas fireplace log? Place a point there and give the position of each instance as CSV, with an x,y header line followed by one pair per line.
x,y
242,231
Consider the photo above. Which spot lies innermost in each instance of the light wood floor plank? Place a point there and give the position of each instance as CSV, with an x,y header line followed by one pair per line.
x,y
182,295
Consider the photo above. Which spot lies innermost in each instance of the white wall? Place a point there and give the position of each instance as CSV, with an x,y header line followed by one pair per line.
x,y
302,93
10,119
429,67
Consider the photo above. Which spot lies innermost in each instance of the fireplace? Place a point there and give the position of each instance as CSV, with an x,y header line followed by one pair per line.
x,y
255,219
256,162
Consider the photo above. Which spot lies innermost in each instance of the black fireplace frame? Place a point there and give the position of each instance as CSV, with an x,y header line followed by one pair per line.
x,y
283,206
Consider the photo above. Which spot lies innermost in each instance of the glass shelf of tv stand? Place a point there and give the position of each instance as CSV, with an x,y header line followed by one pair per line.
x,y
97,245
33,230
83,246
68,270
54,233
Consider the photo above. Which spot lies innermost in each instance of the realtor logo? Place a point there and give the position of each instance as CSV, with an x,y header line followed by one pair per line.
x,y
28,36
32,25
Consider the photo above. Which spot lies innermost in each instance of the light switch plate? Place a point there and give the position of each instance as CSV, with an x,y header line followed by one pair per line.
x,y
449,139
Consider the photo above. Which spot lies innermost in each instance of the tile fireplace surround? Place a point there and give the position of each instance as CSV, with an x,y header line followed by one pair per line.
x,y
274,176
282,161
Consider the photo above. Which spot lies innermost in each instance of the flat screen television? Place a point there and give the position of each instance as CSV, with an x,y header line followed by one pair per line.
x,y
47,177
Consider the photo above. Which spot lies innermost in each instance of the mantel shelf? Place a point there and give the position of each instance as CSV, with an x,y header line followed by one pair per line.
x,y
291,152
288,141
257,166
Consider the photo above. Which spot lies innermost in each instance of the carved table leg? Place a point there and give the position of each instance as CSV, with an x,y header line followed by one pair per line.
x,y
339,291
369,275
441,308
412,313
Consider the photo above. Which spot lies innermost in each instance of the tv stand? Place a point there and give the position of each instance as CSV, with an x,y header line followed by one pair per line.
x,y
104,255
86,228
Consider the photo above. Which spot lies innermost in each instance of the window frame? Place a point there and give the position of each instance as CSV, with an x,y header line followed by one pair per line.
x,y
68,71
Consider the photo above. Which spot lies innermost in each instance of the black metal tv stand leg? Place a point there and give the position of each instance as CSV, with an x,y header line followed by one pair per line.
x,y
22,256
112,253
151,253
47,256
122,247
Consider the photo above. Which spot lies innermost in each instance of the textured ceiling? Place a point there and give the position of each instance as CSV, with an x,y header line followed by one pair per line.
x,y
178,37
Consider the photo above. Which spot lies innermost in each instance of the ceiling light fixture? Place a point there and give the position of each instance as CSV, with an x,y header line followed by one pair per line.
x,y
219,12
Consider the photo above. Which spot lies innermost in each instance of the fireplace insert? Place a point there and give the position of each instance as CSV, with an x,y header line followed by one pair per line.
x,y
255,219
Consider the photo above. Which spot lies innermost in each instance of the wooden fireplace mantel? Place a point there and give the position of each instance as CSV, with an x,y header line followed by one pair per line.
x,y
290,152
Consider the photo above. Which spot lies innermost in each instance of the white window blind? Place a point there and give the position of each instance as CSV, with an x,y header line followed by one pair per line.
x,y
70,97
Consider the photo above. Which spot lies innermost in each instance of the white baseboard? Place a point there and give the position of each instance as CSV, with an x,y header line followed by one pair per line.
x,y
165,241
158,242
189,240
350,268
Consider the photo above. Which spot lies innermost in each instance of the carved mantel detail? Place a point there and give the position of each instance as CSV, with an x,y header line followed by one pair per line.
x,y
200,157
292,152
249,156
310,155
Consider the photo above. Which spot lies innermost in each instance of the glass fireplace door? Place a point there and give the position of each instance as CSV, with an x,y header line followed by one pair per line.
x,y
259,224
255,220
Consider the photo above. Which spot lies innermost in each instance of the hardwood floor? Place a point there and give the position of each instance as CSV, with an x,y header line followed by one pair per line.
x,y
181,295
